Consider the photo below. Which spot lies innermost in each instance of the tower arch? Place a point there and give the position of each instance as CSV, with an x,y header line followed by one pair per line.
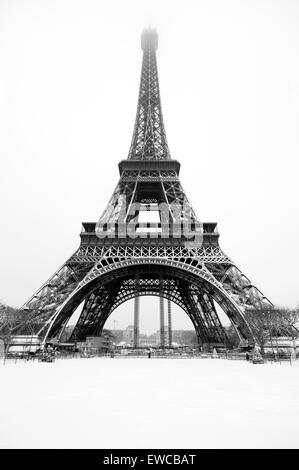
x,y
193,291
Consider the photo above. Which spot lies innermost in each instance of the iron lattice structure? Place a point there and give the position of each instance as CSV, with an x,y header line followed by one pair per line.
x,y
120,257
149,138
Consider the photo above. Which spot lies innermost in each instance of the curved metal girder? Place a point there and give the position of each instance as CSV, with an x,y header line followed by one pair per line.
x,y
196,286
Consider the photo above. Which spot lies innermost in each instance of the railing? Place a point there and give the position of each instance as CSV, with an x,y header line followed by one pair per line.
x,y
143,353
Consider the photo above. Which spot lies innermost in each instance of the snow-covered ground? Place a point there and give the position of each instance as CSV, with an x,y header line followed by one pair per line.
x,y
149,403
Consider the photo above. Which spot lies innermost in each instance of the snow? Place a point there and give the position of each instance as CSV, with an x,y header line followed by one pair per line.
x,y
148,403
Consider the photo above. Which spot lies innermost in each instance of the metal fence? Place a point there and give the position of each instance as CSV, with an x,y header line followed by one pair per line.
x,y
154,354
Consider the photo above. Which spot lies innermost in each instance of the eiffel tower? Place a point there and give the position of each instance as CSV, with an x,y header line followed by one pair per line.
x,y
125,255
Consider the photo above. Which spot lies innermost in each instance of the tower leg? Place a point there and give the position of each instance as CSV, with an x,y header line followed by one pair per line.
x,y
136,321
162,323
162,320
169,324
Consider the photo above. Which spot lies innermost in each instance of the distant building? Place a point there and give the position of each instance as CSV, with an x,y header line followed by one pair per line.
x,y
95,344
157,336
147,342
184,337
128,335
179,337
282,342
117,335
24,344
125,338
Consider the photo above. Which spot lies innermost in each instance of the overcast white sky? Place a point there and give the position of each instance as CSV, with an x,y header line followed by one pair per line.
x,y
229,78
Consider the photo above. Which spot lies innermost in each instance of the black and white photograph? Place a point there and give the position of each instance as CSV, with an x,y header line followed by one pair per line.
x,y
149,292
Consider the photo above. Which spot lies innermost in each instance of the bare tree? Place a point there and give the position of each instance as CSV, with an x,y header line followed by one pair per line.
x,y
268,323
288,323
263,322
8,321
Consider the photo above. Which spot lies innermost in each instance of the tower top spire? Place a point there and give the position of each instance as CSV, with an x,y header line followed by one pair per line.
x,y
149,38
149,139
